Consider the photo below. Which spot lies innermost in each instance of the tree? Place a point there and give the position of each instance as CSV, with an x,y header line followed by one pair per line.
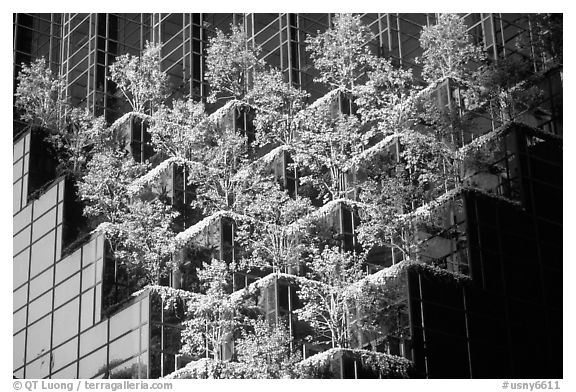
x,y
220,158
213,317
447,50
277,105
181,130
39,95
230,64
340,54
145,243
326,145
265,352
140,78
273,236
326,299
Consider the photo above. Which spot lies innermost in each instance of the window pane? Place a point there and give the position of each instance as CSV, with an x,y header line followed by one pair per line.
x,y
89,253
45,202
43,253
87,316
20,297
125,347
93,364
39,368
69,372
41,283
88,277
93,338
38,339
20,270
66,322
18,349
127,370
125,320
43,225
19,320
21,240
40,307
68,266
65,354
67,290
22,219
16,195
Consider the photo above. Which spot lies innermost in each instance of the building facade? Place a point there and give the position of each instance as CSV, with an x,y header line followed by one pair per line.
x,y
72,317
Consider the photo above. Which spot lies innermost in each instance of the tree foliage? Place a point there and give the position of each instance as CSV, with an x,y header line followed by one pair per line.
x,y
39,95
447,49
264,351
140,78
340,54
325,299
231,61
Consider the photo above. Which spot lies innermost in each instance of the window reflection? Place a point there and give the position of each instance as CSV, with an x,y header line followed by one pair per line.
x,y
87,315
125,347
65,354
18,349
20,268
93,364
38,339
43,225
68,266
66,322
67,290
40,284
43,253
39,368
93,338
125,320
40,307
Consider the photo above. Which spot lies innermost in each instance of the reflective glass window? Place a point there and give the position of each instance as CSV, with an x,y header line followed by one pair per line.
x,y
24,196
18,149
20,297
98,304
88,276
21,240
16,170
16,195
93,364
44,224
43,253
41,283
144,309
20,269
144,336
99,246
19,373
58,242
65,354
39,307
87,314
66,322
125,320
99,264
89,253
39,368
23,218
67,372
18,349
38,339
67,290
61,191
19,320
60,213
45,202
129,369
125,347
68,266
26,164
93,338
